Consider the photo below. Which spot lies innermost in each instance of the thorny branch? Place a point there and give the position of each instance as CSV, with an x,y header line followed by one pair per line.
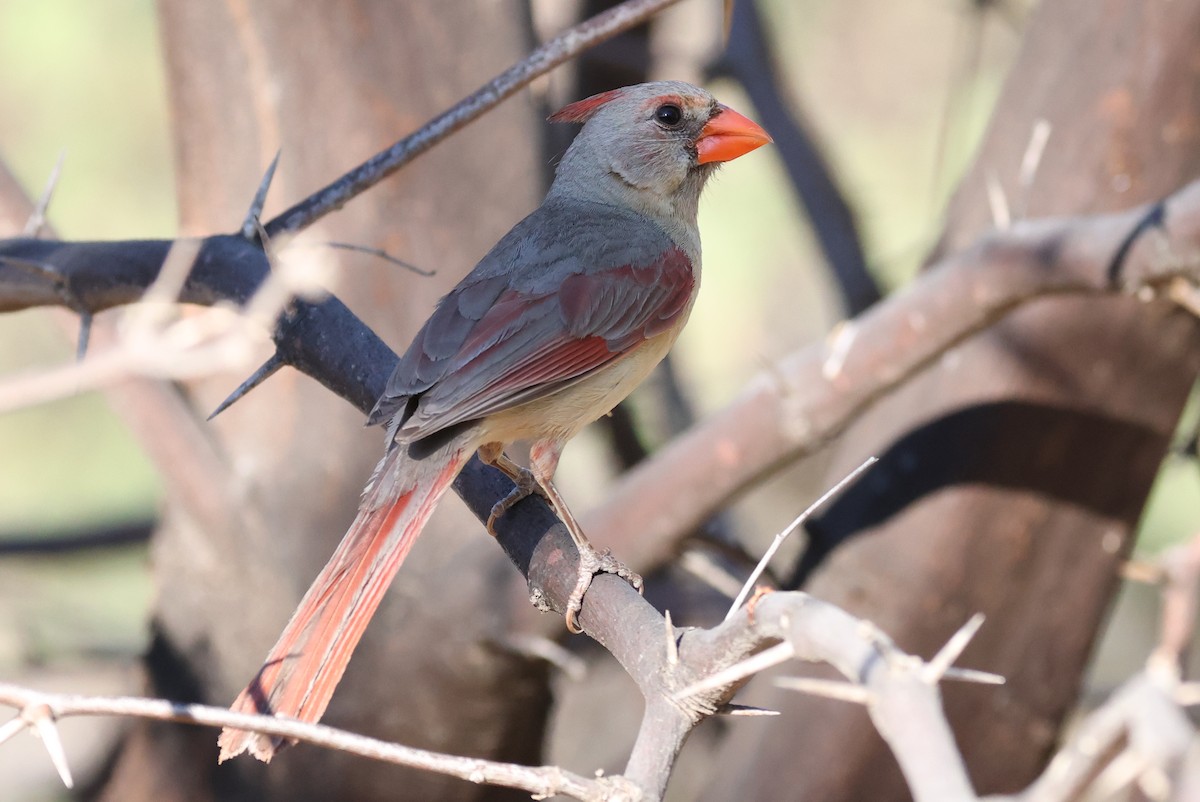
x,y
900,692
1140,736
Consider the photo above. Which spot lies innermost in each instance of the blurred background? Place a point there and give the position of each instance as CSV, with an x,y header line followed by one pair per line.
x,y
895,97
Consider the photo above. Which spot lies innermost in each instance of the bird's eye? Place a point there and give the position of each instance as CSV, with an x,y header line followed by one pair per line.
x,y
668,114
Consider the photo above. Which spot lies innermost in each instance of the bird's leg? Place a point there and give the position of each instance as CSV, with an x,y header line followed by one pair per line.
x,y
523,478
543,458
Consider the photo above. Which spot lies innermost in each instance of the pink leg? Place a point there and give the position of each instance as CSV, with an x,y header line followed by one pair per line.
x,y
543,458
523,478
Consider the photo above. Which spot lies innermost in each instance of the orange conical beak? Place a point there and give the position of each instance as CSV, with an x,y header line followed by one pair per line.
x,y
727,136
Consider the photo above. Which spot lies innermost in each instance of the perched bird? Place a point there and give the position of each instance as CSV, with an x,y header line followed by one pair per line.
x,y
553,328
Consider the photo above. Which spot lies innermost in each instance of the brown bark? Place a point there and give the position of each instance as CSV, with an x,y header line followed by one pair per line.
x,y
330,85
1014,470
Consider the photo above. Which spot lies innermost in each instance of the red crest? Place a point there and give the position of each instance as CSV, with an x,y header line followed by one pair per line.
x,y
582,110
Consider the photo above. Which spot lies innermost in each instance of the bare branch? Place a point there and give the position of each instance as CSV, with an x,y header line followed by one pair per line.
x,y
546,781
792,527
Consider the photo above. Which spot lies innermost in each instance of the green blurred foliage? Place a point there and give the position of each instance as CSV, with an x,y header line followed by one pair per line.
x,y
83,79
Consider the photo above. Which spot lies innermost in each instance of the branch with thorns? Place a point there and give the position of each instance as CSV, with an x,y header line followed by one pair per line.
x,y
699,670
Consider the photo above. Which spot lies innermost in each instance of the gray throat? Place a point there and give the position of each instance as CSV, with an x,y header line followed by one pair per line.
x,y
588,179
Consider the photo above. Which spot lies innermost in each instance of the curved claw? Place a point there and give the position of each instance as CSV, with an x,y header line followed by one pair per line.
x,y
592,562
573,622
525,485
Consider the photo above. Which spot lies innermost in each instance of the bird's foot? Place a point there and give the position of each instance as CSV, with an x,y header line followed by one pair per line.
x,y
592,562
525,485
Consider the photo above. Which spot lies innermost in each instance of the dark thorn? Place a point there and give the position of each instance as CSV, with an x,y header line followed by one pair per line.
x,y
379,252
251,226
1153,219
37,220
85,334
258,377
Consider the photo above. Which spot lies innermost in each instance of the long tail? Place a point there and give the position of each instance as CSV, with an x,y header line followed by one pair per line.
x,y
305,665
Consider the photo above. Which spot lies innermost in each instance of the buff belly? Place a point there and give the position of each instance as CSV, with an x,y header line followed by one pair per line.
x,y
561,415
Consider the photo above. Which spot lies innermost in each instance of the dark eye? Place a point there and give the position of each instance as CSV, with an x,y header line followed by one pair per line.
x,y
668,114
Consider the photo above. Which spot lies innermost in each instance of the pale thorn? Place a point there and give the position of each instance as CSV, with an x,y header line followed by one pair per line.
x,y
1185,294
782,536
702,566
1155,783
828,688
933,671
779,653
1188,694
37,220
543,648
43,725
1120,773
12,727
1032,160
972,675
840,340
672,646
997,202
151,314
1143,571
745,711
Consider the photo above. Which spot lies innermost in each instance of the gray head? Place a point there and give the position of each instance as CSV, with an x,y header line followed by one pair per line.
x,y
650,147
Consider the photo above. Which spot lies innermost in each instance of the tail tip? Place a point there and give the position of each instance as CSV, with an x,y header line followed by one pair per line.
x,y
234,742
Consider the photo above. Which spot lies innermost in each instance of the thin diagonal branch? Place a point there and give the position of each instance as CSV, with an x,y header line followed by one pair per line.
x,y
558,50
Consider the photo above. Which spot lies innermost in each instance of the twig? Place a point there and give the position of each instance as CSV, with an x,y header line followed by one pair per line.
x,y
792,527
379,253
541,781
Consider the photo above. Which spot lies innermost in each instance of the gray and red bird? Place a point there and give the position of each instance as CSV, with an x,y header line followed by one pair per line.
x,y
559,322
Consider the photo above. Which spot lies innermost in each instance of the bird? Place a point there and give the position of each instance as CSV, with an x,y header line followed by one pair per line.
x,y
557,324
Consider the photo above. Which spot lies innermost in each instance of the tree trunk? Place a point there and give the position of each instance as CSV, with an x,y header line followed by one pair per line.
x,y
1013,472
330,85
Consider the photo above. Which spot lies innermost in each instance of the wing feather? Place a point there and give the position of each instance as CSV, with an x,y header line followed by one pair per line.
x,y
503,338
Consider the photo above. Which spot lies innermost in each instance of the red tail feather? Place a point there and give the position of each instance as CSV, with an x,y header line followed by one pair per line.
x,y
306,663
